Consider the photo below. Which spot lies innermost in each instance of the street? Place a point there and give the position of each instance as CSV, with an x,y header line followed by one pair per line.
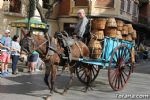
x,y
96,32
27,86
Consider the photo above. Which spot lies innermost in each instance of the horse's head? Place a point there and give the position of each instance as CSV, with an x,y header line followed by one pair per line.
x,y
27,43
27,46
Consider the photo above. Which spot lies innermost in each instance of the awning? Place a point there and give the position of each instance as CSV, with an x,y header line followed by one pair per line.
x,y
34,23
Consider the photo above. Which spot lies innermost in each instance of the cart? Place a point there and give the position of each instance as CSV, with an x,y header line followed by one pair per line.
x,y
116,57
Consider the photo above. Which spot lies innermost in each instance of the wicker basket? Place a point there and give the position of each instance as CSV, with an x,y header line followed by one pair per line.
x,y
128,37
111,22
111,32
119,28
130,28
119,35
99,34
120,25
125,30
134,34
95,49
98,23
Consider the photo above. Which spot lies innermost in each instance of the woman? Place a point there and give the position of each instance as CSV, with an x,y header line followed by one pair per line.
x,y
15,48
32,61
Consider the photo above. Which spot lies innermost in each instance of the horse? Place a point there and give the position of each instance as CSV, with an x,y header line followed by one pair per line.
x,y
51,50
73,49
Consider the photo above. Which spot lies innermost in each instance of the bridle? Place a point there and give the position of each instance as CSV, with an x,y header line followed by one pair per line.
x,y
32,43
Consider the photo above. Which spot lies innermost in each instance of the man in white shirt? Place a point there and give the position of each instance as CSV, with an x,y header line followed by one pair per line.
x,y
81,25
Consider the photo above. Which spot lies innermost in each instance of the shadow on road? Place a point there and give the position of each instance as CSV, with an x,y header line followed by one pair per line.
x,y
32,85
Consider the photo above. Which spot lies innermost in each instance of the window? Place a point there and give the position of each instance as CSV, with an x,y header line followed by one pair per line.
x,y
122,4
45,4
69,27
128,7
81,2
15,6
131,7
104,3
135,10
6,4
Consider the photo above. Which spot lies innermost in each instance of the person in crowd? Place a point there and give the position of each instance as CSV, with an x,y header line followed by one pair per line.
x,y
30,50
5,45
39,65
32,61
81,27
1,36
33,56
15,53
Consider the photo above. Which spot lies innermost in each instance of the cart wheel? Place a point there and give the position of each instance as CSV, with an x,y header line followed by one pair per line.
x,y
87,73
120,67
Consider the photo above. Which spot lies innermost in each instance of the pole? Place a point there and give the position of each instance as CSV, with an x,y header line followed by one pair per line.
x,y
32,5
29,15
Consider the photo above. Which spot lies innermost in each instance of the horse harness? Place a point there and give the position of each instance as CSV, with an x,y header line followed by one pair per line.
x,y
67,42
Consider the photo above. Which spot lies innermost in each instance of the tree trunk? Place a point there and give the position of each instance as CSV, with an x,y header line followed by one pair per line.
x,y
39,8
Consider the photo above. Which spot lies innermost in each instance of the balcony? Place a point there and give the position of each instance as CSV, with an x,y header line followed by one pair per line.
x,y
96,8
13,10
101,8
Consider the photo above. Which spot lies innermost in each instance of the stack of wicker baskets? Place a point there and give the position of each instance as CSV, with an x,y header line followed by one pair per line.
x,y
98,26
95,47
109,27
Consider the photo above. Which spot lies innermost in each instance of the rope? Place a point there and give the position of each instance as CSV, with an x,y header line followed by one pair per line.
x,y
79,48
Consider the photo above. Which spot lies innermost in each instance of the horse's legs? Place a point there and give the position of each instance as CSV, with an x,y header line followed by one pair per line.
x,y
63,69
46,77
72,72
53,77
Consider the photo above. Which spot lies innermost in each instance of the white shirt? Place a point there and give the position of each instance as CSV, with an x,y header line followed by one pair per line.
x,y
16,46
81,27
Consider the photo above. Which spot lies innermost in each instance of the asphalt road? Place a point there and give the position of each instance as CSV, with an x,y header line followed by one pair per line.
x,y
25,86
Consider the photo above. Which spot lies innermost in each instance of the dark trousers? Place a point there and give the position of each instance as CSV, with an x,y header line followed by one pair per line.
x,y
15,59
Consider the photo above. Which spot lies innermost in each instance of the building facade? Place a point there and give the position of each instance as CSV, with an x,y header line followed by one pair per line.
x,y
144,22
63,13
126,10
11,10
144,12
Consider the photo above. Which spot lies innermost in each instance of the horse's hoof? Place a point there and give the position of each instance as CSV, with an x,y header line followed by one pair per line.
x,y
52,92
56,91
64,92
48,98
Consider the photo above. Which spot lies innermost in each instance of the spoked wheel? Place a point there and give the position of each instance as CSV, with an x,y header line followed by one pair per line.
x,y
120,67
87,73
